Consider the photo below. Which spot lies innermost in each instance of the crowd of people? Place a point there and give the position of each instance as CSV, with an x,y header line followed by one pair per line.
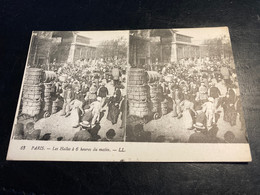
x,y
196,91
81,93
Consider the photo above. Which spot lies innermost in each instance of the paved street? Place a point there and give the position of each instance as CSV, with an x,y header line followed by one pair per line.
x,y
59,126
174,128
167,126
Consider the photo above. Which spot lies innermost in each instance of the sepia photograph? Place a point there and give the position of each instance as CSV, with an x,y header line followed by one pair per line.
x,y
167,95
130,97
183,87
74,87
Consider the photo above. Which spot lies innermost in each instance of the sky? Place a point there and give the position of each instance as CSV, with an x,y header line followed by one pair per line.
x,y
201,34
98,36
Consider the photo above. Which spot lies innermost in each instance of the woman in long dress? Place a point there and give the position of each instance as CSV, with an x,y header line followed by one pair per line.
x,y
113,107
188,107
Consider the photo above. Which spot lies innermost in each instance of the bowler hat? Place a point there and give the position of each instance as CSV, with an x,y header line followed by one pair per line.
x,y
85,124
199,125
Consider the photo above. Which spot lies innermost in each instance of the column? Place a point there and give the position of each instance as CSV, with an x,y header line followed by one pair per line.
x,y
161,50
149,52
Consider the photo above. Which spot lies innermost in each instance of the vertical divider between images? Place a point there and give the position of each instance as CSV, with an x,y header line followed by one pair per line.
x,y
126,96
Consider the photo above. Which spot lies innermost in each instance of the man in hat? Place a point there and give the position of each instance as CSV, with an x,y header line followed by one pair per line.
x,y
68,96
97,106
200,135
214,92
239,110
18,131
102,92
85,124
200,119
226,74
83,135
229,137
177,97
76,106
209,109
91,95
110,134
30,133
203,93
116,74
229,101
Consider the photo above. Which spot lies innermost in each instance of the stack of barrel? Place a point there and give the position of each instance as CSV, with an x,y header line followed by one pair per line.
x,y
55,106
164,107
47,97
137,92
32,92
48,77
154,95
153,77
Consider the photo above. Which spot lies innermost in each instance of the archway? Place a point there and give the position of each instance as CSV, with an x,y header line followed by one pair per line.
x,y
162,45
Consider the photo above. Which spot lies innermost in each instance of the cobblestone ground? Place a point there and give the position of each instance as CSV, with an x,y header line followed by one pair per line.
x,y
59,126
174,128
170,127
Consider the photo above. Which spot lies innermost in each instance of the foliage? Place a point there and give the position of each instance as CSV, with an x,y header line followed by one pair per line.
x,y
112,48
218,47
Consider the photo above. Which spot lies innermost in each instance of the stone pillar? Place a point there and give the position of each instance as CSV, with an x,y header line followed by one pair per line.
x,y
135,53
149,52
161,50
72,49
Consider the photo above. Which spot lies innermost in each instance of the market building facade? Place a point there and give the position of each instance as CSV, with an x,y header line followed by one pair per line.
x,y
161,45
59,47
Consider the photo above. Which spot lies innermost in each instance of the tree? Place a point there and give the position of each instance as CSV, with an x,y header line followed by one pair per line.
x,y
218,47
113,48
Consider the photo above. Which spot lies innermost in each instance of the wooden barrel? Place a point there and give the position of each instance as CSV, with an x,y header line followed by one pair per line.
x,y
137,92
47,107
54,107
63,78
153,91
138,108
34,71
31,110
47,85
168,78
47,99
33,76
47,94
137,76
155,105
32,87
164,107
31,103
153,76
32,92
32,95
49,76
47,89
32,80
